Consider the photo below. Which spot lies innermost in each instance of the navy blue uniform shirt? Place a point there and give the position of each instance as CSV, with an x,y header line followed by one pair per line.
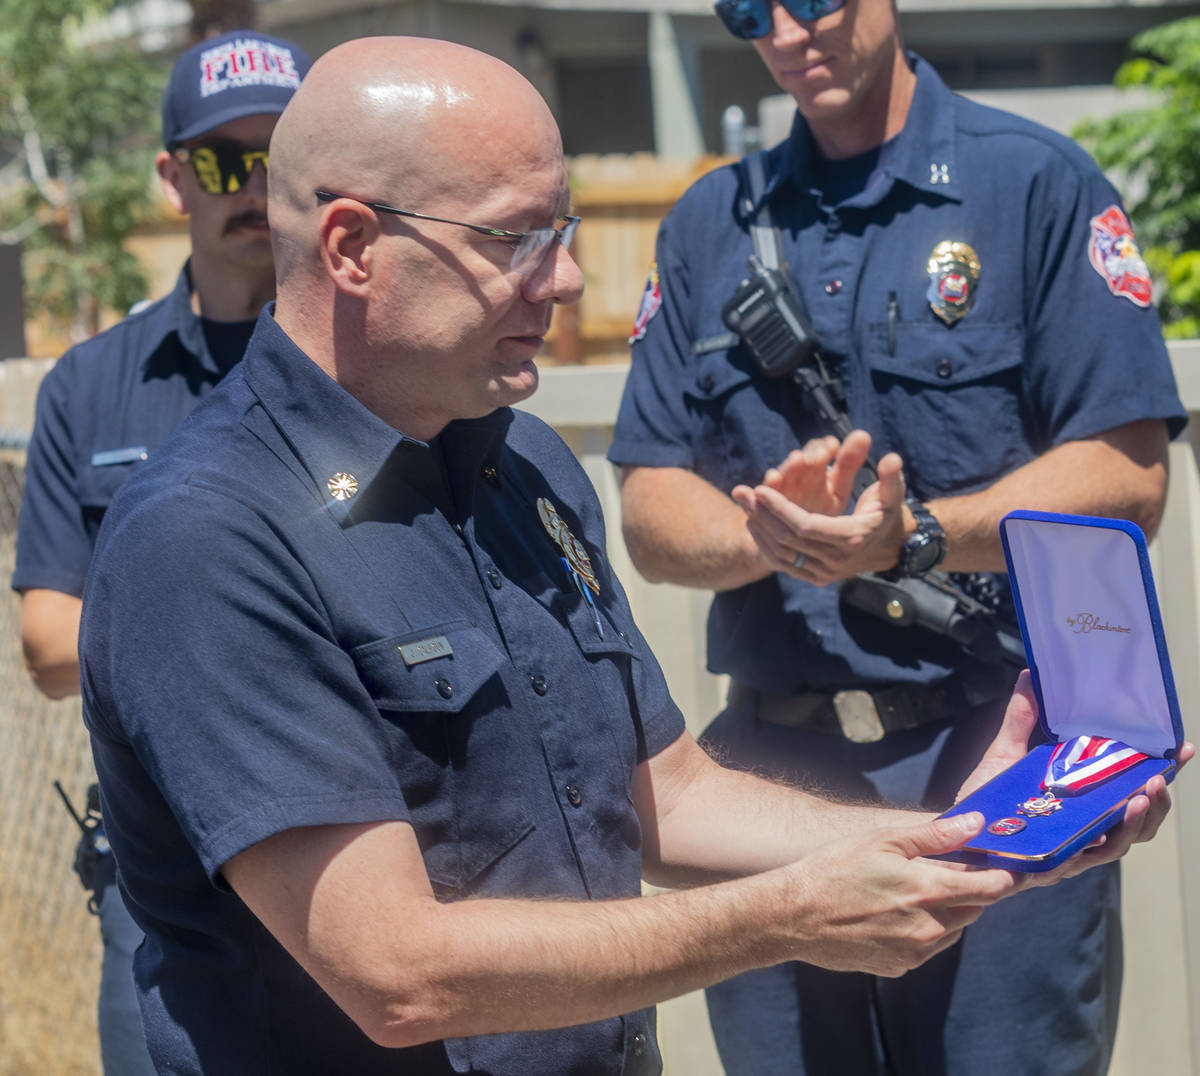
x,y
1057,345
101,410
416,651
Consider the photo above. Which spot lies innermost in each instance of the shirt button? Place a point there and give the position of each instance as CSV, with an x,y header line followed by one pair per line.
x,y
639,1044
833,287
574,796
493,577
944,369
706,383
444,688
539,684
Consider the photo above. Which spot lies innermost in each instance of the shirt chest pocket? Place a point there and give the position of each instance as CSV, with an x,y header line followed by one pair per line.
x,y
457,744
949,401
743,420
612,666
100,478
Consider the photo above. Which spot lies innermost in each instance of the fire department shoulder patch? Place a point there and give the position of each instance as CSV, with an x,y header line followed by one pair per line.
x,y
1115,256
651,301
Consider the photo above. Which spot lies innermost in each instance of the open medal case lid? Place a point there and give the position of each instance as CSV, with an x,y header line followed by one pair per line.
x,y
1094,643
1093,633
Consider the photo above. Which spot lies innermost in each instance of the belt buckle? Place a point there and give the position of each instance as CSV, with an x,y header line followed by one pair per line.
x,y
858,716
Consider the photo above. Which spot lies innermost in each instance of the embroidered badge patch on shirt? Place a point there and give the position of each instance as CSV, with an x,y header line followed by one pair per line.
x,y
1115,256
651,301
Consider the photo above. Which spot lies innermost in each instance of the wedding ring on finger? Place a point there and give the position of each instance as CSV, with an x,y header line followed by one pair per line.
x,y
798,563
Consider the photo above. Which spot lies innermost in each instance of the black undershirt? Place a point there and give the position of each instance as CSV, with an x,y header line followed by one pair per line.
x,y
227,341
840,179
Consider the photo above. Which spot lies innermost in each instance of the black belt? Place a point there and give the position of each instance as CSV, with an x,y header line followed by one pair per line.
x,y
861,715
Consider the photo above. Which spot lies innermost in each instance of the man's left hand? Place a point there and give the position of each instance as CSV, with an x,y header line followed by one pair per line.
x,y
1144,813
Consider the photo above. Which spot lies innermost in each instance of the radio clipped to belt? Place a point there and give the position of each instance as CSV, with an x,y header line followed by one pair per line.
x,y
93,844
767,315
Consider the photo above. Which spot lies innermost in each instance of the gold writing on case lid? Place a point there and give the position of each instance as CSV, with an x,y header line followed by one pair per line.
x,y
436,646
1084,623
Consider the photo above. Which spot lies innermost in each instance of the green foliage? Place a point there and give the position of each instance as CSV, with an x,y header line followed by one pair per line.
x,y
1157,151
78,128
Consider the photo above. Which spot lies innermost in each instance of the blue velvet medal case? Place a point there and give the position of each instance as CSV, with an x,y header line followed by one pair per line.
x,y
1094,643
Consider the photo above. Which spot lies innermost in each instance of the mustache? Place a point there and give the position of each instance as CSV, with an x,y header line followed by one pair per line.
x,y
252,218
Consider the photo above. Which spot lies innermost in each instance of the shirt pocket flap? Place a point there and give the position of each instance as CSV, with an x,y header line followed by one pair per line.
x,y
615,644
99,482
715,376
435,669
947,358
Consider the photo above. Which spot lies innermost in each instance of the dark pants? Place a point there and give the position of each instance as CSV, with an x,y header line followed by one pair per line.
x,y
1033,986
122,1042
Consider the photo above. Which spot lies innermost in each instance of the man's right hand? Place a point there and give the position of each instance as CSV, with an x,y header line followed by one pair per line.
x,y
871,903
798,515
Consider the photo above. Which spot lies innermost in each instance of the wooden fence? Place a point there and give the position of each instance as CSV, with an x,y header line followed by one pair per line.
x,y
621,198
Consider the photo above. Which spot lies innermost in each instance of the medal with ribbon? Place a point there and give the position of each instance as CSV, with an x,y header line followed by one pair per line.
x,y
1077,766
1080,764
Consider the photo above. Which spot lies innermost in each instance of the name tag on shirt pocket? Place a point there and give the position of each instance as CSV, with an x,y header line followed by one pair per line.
x,y
116,456
452,662
109,471
436,646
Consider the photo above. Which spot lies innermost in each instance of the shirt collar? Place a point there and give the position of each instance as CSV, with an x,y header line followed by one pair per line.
x,y
186,322
332,434
923,155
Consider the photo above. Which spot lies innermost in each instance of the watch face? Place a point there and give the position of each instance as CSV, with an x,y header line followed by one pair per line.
x,y
925,547
923,552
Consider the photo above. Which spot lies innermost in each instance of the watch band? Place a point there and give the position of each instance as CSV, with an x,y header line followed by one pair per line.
x,y
926,547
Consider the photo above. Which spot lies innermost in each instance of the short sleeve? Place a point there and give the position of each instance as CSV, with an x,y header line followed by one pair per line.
x,y
653,426
53,542
662,721
1095,355
208,639
659,719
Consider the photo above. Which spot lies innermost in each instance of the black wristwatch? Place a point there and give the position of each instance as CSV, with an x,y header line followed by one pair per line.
x,y
925,548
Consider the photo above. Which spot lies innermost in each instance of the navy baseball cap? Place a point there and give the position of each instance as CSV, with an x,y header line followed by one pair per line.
x,y
241,73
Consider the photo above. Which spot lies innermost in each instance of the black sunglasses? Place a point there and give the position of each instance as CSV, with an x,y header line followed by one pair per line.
x,y
222,167
528,247
749,19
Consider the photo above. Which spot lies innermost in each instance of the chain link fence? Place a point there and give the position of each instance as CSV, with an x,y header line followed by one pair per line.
x,y
49,943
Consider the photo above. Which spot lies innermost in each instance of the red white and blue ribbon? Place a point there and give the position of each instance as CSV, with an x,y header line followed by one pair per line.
x,y
1083,762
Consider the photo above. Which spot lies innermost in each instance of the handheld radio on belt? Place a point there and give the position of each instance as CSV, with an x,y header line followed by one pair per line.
x,y
768,317
93,844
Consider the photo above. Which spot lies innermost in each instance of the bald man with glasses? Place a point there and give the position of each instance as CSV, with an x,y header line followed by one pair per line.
x,y
393,758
